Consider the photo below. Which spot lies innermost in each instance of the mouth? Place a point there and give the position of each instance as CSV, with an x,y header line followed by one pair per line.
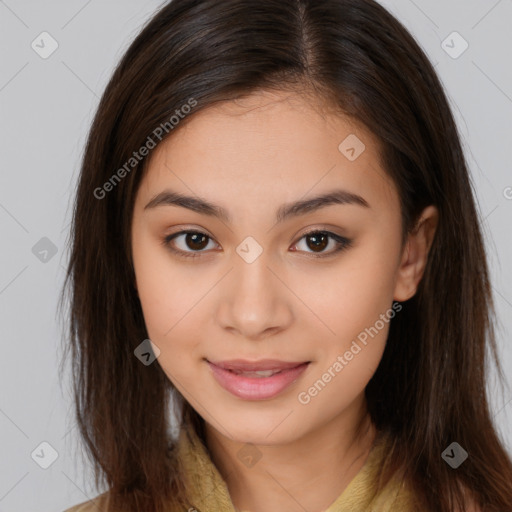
x,y
256,380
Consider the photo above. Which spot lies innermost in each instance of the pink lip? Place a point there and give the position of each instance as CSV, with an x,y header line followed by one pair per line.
x,y
262,364
256,388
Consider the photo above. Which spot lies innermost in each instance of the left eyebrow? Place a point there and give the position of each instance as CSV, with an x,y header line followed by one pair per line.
x,y
285,211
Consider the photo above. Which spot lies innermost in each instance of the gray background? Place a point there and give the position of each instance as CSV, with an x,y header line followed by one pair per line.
x,y
46,109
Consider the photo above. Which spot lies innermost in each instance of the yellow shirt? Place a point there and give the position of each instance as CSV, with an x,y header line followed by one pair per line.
x,y
209,492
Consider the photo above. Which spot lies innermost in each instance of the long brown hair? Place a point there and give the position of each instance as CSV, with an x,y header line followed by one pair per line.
x,y
430,387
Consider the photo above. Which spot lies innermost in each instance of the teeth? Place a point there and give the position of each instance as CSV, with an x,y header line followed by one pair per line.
x,y
258,373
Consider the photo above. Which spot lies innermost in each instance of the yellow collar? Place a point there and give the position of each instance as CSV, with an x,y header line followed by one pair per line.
x,y
209,492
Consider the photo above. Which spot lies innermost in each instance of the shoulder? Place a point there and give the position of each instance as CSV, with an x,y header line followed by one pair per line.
x,y
81,507
97,504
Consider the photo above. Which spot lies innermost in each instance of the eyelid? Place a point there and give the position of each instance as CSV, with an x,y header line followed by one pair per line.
x,y
341,241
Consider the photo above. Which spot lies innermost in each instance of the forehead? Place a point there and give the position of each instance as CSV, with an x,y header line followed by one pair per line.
x,y
273,146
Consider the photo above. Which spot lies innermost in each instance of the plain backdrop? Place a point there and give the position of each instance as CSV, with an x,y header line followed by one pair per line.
x,y
47,106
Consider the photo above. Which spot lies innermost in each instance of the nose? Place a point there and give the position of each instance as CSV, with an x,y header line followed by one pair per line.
x,y
254,303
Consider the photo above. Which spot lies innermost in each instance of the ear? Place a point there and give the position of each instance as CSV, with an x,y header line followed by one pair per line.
x,y
415,254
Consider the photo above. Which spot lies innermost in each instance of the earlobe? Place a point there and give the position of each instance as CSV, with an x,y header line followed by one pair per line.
x,y
415,255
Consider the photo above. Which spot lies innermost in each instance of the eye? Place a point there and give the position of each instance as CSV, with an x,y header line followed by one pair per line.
x,y
197,242
319,240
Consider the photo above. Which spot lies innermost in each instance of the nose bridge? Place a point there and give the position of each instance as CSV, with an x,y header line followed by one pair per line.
x,y
256,302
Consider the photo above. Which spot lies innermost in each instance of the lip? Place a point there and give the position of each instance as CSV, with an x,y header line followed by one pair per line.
x,y
262,364
256,388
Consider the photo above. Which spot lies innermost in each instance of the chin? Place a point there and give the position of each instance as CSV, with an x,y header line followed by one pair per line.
x,y
264,429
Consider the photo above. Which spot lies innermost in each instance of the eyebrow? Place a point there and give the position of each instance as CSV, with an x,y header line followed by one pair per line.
x,y
285,211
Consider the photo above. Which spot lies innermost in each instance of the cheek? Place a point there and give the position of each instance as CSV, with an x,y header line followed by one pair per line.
x,y
167,309
357,306
161,287
355,302
351,294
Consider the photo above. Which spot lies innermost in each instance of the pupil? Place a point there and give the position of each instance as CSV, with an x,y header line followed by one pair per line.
x,y
318,244
193,241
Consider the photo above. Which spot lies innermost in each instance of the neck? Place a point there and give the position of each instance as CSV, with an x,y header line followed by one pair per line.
x,y
306,473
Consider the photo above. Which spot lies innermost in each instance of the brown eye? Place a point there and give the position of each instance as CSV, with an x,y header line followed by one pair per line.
x,y
190,242
196,241
317,241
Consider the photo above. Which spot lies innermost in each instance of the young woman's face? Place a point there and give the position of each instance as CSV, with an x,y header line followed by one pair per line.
x,y
253,285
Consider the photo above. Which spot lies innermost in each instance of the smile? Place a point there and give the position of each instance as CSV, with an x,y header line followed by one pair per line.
x,y
259,380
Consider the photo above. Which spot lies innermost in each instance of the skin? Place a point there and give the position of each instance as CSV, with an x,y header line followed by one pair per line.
x,y
250,157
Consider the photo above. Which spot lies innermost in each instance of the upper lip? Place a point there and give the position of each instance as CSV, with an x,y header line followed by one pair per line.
x,y
263,364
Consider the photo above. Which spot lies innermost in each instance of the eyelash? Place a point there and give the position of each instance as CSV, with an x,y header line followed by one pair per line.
x,y
343,243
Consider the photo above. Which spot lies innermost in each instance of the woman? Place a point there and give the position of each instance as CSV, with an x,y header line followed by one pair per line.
x,y
275,230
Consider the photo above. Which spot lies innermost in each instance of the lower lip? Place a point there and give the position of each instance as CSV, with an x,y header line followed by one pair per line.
x,y
256,388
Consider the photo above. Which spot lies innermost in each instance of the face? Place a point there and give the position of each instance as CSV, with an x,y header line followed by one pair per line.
x,y
253,279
